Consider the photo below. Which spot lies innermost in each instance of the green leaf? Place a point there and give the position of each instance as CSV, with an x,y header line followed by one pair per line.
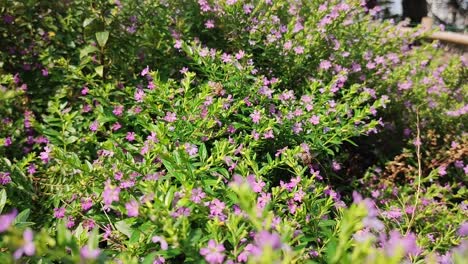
x,y
86,50
102,38
203,152
99,70
22,217
3,198
71,139
124,228
88,21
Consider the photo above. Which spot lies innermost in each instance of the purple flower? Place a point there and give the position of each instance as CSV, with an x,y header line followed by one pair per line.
x,y
405,85
6,220
130,136
463,230
116,126
139,95
28,247
110,194
145,71
197,195
325,65
191,149
86,204
161,241
118,110
442,170
314,120
159,260
209,23
132,208
44,155
397,242
94,126
265,239
70,222
7,142
216,209
268,134
255,116
5,178
213,253
170,117
59,212
85,90
89,254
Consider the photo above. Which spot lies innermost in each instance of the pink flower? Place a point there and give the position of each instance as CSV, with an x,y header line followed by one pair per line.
x,y
110,194
170,117
28,247
191,149
130,136
255,116
161,241
118,110
213,253
6,220
209,24
325,65
132,208
90,254
59,212
85,90
268,134
314,120
139,95
197,195
94,126
145,71
86,204
5,178
116,126
240,54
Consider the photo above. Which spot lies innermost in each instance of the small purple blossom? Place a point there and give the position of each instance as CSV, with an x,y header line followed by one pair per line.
x,y
59,212
5,178
161,241
110,194
86,204
89,254
7,219
209,23
94,126
28,248
130,136
197,195
256,115
145,71
191,149
213,253
170,117
132,208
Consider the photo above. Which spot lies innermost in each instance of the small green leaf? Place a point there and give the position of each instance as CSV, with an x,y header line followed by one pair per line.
x,y
22,217
88,21
124,228
102,38
3,198
100,70
86,50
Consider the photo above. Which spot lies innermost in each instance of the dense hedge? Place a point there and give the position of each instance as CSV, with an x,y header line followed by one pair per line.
x,y
227,132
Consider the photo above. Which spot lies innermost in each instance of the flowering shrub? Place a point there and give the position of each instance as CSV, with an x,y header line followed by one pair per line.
x,y
213,131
